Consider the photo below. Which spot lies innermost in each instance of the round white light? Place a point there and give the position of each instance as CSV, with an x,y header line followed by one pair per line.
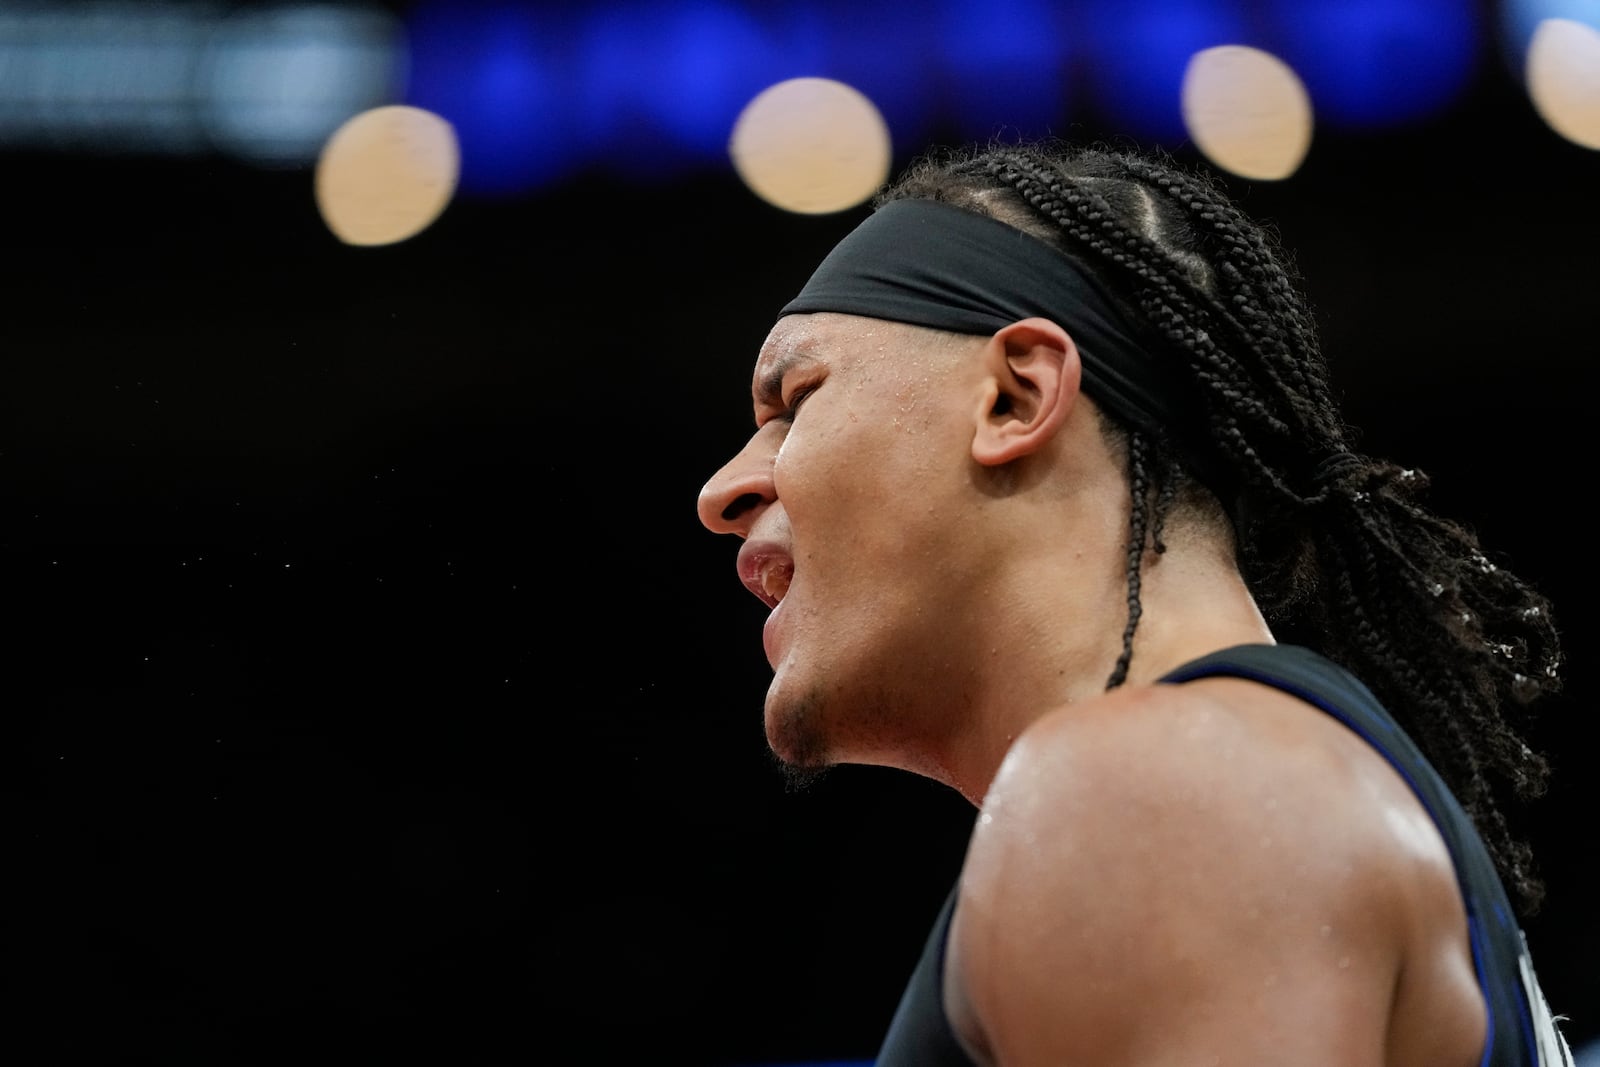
x,y
386,174
1563,73
1247,111
811,146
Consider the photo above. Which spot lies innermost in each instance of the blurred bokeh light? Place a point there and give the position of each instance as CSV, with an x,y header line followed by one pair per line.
x,y
1247,111
1518,20
1563,75
265,85
649,90
386,175
811,145
1379,64
1140,50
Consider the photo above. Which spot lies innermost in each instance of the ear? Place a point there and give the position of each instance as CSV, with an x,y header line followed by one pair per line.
x,y
1032,376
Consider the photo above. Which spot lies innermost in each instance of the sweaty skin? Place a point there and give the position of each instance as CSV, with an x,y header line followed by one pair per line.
x,y
1219,912
1206,873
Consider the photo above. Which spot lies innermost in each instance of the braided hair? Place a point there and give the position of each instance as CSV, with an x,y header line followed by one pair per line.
x,y
1337,548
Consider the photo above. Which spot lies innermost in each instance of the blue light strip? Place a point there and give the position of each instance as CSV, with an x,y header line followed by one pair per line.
x,y
650,89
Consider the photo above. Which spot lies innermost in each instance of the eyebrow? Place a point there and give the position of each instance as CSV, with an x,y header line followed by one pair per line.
x,y
768,390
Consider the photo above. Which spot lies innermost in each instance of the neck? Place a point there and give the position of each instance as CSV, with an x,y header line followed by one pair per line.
x,y
1194,601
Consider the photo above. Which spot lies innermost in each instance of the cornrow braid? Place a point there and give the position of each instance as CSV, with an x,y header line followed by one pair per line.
x,y
1139,522
1338,549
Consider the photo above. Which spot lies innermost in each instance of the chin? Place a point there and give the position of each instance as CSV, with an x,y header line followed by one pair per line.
x,y
795,732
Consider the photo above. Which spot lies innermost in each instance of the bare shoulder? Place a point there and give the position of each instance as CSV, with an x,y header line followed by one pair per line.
x,y
1214,868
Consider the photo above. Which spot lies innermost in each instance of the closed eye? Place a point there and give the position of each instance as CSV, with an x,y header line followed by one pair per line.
x,y
791,407
768,389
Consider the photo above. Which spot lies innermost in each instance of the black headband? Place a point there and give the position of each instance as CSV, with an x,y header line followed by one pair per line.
x,y
933,264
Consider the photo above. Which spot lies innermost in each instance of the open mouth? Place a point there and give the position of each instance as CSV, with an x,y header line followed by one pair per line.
x,y
766,570
775,574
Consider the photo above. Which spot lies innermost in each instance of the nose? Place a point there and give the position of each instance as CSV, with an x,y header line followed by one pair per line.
x,y
738,493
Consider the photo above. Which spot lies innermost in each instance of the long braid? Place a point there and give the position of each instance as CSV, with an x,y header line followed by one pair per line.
x,y
1139,522
1338,549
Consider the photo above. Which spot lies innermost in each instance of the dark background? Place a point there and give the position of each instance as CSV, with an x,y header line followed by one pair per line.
x,y
376,694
